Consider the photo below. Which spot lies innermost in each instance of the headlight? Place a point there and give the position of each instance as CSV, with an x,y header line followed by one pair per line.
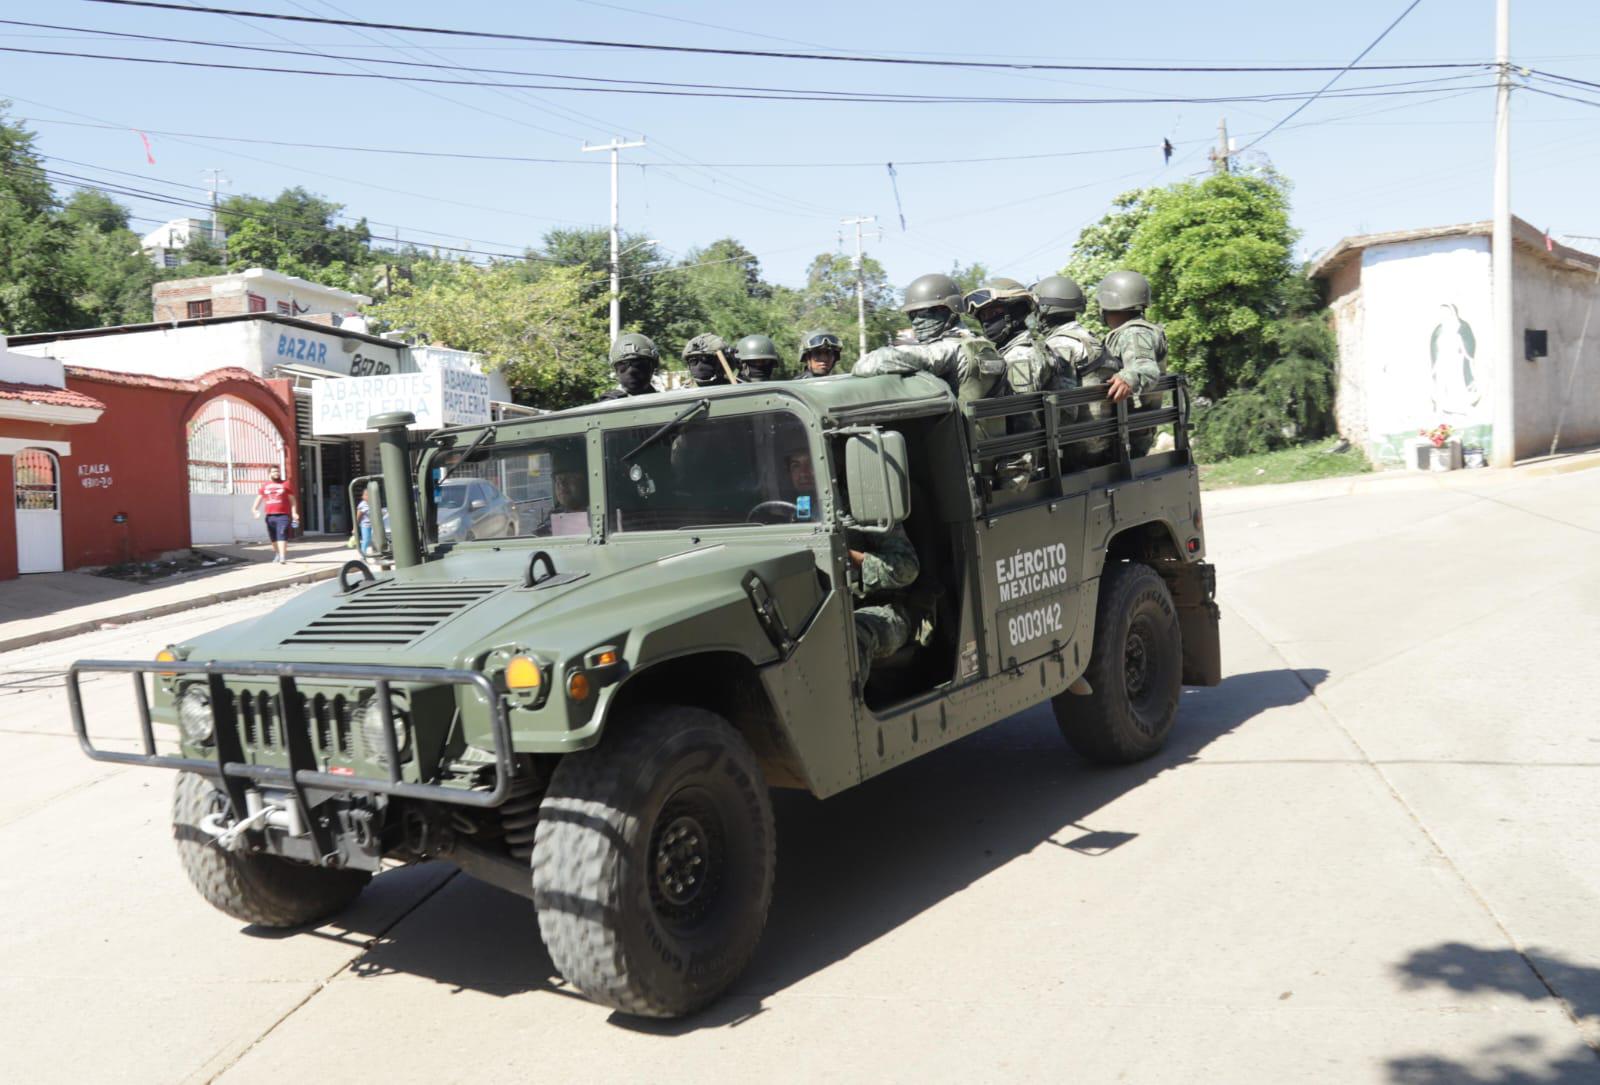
x,y
194,716
369,724
449,527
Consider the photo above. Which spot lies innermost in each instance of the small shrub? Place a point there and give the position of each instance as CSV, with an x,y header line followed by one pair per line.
x,y
1241,423
1302,388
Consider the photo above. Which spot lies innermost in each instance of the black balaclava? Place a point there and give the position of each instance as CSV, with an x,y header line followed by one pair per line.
x,y
931,324
705,370
1002,324
634,376
756,370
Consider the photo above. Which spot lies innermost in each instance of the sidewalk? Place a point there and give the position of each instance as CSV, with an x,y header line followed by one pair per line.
x,y
48,606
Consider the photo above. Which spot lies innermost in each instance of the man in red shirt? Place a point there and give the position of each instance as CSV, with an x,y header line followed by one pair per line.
x,y
282,510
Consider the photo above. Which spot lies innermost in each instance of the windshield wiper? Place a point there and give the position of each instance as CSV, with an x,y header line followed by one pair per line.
x,y
670,427
467,455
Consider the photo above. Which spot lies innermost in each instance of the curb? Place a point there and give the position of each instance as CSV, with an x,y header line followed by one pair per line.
x,y
89,625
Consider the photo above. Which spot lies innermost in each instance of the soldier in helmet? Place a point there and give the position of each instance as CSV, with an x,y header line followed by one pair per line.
x,y
820,351
1060,302
634,359
758,357
969,363
707,359
1136,349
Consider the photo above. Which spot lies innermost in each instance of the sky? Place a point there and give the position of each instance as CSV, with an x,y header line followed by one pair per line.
x,y
780,175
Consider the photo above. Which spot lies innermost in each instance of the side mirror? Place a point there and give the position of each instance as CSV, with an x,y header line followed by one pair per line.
x,y
476,503
877,480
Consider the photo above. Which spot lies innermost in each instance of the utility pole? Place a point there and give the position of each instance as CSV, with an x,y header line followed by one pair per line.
x,y
616,266
861,278
214,180
1503,449
1219,157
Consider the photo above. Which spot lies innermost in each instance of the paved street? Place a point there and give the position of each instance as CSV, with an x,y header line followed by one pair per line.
x,y
1371,855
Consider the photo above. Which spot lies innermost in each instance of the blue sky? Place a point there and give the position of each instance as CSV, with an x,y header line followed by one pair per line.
x,y
1357,165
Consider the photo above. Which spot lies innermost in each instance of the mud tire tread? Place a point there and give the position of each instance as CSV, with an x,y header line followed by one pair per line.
x,y
591,822
266,890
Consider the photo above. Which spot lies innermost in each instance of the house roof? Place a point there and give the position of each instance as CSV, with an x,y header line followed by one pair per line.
x,y
235,318
45,395
1522,233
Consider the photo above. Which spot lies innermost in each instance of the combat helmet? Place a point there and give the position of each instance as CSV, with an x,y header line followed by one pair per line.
x,y
816,342
933,302
758,356
631,347
1002,306
1123,291
700,358
1057,295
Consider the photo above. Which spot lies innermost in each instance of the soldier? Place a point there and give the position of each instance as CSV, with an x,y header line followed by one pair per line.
x,y
967,362
758,357
700,357
1136,349
1060,302
886,565
634,359
820,351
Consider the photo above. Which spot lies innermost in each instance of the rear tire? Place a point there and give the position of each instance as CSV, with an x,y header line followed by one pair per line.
x,y
653,863
266,890
1135,671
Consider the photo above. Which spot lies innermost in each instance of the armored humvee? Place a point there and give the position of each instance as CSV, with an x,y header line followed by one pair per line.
x,y
587,702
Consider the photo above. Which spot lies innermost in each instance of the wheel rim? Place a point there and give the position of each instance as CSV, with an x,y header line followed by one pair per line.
x,y
1143,669
687,858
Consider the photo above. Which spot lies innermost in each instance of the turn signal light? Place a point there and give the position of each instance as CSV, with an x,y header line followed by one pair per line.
x,y
523,673
166,655
605,658
578,686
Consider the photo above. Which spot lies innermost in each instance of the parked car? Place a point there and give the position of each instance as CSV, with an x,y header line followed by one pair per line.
x,y
470,508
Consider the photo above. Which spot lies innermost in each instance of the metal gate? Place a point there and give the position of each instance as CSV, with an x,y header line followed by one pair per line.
x,y
37,485
232,446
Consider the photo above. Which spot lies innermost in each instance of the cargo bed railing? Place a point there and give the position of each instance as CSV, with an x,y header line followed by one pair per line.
x,y
1044,410
232,770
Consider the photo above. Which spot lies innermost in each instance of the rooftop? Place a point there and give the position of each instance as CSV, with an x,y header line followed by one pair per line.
x,y
46,396
1522,233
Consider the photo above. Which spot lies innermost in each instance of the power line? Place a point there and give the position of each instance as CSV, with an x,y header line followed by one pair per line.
x,y
1337,75
1419,86
768,53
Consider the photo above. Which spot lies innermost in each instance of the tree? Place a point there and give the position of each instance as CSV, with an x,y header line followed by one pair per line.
x,y
1103,246
538,332
829,301
35,291
111,277
968,277
294,233
655,299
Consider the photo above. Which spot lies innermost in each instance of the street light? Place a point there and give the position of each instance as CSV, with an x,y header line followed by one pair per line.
x,y
638,245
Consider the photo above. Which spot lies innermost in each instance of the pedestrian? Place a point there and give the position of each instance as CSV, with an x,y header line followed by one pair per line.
x,y
364,522
283,512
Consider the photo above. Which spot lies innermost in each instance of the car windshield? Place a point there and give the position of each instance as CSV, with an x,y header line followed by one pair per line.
x,y
511,489
716,472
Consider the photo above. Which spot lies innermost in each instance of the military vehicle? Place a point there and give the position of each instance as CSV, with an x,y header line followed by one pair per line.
x,y
590,710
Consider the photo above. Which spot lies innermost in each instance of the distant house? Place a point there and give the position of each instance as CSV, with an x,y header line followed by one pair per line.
x,y
1412,313
165,244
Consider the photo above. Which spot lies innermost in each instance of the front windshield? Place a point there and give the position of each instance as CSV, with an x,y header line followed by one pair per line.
x,y
511,490
721,472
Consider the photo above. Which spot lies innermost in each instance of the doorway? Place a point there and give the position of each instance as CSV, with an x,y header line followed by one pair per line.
x,y
37,480
232,447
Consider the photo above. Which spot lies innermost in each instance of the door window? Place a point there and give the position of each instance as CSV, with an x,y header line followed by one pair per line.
x,y
38,480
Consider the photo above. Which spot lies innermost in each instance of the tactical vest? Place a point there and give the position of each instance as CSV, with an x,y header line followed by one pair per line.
x,y
1093,350
1114,359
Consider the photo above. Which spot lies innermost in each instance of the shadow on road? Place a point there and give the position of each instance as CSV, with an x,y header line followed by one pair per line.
x,y
852,868
1512,1060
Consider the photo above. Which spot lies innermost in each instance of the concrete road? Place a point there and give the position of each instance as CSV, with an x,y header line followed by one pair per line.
x,y
1371,855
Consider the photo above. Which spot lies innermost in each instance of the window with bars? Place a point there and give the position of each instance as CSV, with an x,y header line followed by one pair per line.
x,y
199,309
37,478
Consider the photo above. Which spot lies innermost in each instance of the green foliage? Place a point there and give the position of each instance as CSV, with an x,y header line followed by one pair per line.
x,y
34,239
1296,463
1102,247
968,277
294,233
1241,423
540,333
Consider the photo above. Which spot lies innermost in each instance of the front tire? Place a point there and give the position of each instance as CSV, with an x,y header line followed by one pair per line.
x,y
653,863
266,890
1135,671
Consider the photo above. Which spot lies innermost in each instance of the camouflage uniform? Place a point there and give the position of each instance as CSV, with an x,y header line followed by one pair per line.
x,y
1032,366
890,564
1077,345
968,363
1137,352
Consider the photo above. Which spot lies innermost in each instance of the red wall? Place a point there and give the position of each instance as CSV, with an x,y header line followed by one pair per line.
x,y
141,439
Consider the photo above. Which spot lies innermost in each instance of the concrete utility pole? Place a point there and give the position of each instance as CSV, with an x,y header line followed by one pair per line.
x,y
1503,450
861,278
214,180
1219,157
616,266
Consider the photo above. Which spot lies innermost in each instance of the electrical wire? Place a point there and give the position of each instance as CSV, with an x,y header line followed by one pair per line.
x,y
1336,77
768,53
1419,86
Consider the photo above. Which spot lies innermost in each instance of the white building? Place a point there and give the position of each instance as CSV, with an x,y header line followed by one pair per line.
x,y
1413,315
310,350
165,244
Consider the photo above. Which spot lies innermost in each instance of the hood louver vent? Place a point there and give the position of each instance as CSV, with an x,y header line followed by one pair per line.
x,y
393,614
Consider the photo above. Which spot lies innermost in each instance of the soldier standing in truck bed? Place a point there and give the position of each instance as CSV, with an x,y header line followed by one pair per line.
x,y
634,359
969,363
1061,301
1136,348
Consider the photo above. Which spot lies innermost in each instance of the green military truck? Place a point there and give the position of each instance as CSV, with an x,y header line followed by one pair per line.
x,y
587,702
